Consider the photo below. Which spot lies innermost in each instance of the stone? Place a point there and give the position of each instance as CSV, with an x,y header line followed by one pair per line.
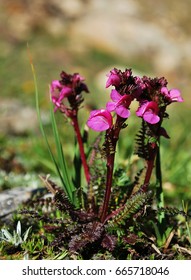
x,y
11,199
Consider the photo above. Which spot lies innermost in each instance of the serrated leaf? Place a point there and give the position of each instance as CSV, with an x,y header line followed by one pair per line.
x,y
131,207
109,242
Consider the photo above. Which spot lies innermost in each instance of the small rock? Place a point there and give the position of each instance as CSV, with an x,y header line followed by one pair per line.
x,y
11,199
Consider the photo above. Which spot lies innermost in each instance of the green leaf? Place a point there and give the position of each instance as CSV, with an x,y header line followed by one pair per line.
x,y
19,228
161,234
63,170
7,235
25,235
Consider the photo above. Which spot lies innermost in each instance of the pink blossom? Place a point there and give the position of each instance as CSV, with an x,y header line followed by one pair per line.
x,y
114,78
59,92
55,86
100,120
173,95
149,112
78,78
120,104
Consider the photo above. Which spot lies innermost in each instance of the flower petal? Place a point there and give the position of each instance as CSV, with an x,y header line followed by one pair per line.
x,y
150,117
65,92
164,91
55,86
115,95
140,111
110,106
122,111
175,95
100,120
148,111
114,78
98,123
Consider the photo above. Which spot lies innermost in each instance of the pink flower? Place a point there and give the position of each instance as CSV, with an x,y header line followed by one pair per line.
x,y
55,86
114,78
120,104
149,112
59,92
173,95
77,78
100,120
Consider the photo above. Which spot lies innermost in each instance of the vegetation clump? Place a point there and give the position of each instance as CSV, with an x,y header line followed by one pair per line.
x,y
98,211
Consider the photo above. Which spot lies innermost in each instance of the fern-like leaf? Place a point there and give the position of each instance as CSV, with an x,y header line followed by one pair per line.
x,y
108,147
172,211
91,233
62,202
131,207
138,181
142,149
109,242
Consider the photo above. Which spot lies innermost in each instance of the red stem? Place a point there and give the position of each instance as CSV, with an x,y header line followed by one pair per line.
x,y
150,166
81,147
113,134
153,153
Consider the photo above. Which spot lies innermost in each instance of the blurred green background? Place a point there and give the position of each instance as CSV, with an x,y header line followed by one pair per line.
x,y
90,37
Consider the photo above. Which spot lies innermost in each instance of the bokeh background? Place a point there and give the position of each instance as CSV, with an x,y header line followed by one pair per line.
x,y
90,37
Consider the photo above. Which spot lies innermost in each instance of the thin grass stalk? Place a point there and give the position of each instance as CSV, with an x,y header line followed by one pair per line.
x,y
68,188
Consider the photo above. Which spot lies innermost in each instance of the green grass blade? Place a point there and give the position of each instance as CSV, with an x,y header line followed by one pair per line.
x,y
61,166
68,186
77,167
39,117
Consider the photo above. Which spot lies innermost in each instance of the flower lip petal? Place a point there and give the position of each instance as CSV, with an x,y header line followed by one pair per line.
x,y
148,111
100,120
151,118
110,106
122,112
141,110
175,95
99,123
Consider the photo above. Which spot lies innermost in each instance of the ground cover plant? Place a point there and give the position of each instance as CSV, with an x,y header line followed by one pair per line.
x,y
101,209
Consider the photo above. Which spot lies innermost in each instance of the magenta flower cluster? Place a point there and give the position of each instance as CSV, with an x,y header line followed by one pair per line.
x,y
68,88
152,94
